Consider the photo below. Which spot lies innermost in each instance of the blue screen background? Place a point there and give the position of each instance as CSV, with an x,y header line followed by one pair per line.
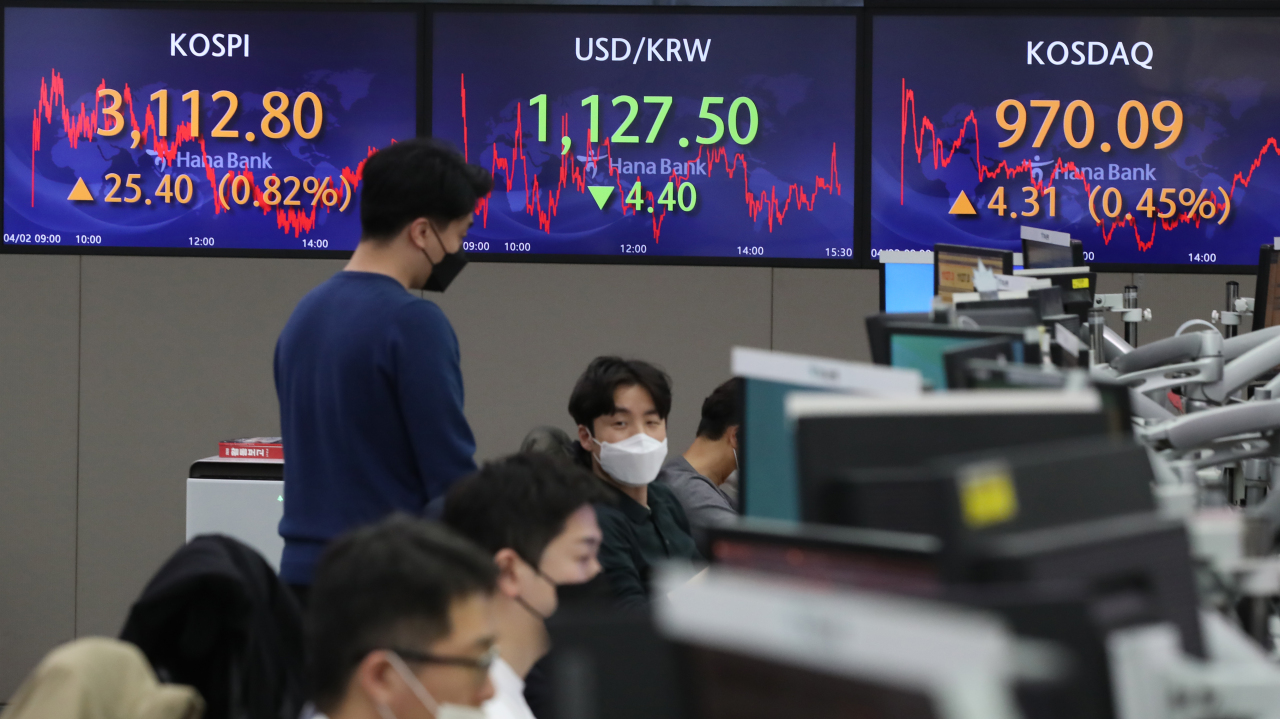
x,y
908,287
1221,71
361,65
805,101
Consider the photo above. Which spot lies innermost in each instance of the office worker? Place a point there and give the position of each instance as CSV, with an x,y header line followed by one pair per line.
x,y
400,624
621,408
367,372
699,475
534,515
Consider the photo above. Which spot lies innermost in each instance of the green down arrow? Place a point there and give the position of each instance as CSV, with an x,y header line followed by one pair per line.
x,y
601,193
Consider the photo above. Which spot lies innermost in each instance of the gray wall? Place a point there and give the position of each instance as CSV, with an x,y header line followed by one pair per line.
x,y
117,372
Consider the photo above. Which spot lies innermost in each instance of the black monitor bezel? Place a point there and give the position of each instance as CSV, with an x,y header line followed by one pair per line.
x,y
941,330
1266,254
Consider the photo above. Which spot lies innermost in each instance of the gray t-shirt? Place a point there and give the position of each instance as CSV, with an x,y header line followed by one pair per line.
x,y
703,502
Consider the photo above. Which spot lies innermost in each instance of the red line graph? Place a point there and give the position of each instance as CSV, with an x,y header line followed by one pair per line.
x,y
573,172
82,125
942,158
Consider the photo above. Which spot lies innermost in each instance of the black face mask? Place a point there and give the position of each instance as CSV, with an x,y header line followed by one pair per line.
x,y
595,592
444,271
572,597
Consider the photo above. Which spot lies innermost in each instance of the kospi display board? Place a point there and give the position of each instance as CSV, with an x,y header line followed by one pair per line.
x,y
1150,139
199,131
725,137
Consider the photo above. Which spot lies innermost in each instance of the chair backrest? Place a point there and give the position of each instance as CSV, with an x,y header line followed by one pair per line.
x,y
218,618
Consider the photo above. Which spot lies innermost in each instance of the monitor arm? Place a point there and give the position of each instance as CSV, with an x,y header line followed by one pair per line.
x,y
1198,430
1113,345
1193,358
1239,372
1236,346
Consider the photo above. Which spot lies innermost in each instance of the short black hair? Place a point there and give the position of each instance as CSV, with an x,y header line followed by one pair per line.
x,y
593,394
417,178
390,583
520,502
721,410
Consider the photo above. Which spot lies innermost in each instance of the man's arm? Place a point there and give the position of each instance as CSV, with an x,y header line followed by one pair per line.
x,y
618,561
428,377
704,506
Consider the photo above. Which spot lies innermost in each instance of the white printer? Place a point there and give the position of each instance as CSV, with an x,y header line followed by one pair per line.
x,y
242,498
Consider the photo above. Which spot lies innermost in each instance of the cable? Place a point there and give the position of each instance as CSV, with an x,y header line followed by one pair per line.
x,y
1188,323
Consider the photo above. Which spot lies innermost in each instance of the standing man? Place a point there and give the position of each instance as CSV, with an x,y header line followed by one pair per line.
x,y
621,408
698,476
367,372
534,514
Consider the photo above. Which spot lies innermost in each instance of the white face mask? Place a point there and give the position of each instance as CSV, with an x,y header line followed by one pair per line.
x,y
635,460
440,711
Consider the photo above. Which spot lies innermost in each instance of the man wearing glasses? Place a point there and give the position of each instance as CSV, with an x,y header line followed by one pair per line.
x,y
535,516
400,624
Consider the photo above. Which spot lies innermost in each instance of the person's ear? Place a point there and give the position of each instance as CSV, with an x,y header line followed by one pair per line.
x,y
732,434
584,438
508,563
419,233
376,678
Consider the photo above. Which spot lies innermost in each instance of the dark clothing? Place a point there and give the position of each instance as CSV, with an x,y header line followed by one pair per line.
x,y
636,538
574,600
215,617
370,393
703,502
301,593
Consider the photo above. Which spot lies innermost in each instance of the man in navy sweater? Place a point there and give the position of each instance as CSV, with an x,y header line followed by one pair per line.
x,y
367,372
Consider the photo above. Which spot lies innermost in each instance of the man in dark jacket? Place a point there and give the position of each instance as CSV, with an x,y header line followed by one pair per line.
x,y
621,409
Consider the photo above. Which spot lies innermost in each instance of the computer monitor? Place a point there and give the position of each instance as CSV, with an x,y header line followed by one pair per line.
x,y
878,332
955,361
977,373
1045,485
1135,569
608,663
766,454
1078,286
954,265
1037,255
836,435
1024,312
915,565
760,646
923,347
872,559
961,498
1042,301
906,287
1266,294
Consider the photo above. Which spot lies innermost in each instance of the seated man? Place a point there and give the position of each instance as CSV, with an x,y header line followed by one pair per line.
x,y
534,515
698,477
400,624
621,408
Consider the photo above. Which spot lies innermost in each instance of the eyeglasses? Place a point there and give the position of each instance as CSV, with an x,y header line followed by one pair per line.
x,y
480,663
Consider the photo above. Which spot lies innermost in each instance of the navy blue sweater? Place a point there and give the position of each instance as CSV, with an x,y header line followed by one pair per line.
x,y
370,410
